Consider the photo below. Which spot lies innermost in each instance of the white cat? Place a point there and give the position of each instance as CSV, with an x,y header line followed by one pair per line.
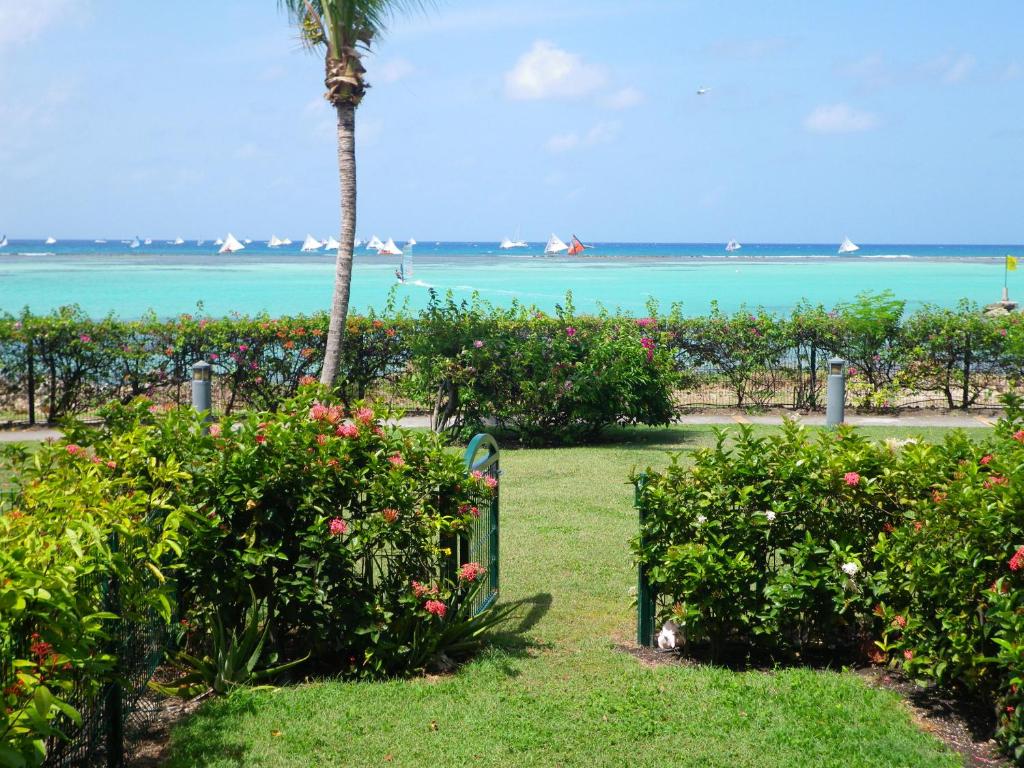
x,y
668,637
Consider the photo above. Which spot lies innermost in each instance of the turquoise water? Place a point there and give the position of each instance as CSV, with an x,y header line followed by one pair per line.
x,y
169,279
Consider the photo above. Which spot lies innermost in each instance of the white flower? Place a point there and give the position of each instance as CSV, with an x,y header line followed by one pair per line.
x,y
769,516
850,569
701,519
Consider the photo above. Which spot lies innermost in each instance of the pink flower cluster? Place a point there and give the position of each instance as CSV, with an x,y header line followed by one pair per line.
x,y
986,459
644,322
347,430
851,478
436,607
1017,561
490,482
396,460
478,344
390,515
471,572
364,416
648,344
995,480
570,332
337,526
422,590
469,509
900,622
1019,435
320,412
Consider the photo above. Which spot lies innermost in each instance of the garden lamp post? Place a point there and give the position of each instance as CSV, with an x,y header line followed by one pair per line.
x,y
202,384
836,392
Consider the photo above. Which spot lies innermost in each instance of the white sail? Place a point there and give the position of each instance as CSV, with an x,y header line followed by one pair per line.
x,y
98,242
390,249
332,244
200,242
505,244
231,245
148,241
733,246
134,243
218,241
412,242
515,242
357,243
51,241
179,241
555,245
274,242
311,244
286,241
848,246
3,241
375,244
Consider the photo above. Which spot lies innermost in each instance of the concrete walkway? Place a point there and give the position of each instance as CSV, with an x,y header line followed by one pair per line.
x,y
916,419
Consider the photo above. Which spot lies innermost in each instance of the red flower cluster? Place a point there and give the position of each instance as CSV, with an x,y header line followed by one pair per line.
x,y
995,480
436,607
396,460
1017,561
986,459
364,416
900,622
851,478
390,515
938,497
337,526
471,572
347,430
1019,435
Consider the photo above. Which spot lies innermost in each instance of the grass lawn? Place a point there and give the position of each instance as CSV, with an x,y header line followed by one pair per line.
x,y
555,690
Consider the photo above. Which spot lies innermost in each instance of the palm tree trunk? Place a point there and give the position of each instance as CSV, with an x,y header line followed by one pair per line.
x,y
343,267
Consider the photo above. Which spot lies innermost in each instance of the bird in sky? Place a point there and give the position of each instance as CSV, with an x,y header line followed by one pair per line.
x,y
702,91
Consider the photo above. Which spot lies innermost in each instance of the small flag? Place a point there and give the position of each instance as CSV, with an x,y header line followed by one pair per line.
x,y
1011,263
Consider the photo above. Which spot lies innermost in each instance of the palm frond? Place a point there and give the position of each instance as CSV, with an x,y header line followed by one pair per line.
x,y
346,23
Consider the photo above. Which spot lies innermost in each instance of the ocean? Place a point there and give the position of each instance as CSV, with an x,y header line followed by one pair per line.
x,y
169,279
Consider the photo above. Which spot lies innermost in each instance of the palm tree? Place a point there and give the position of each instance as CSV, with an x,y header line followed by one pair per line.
x,y
344,31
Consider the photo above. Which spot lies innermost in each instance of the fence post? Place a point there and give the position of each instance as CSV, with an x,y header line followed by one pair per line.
x,y
836,395
202,384
644,592
30,361
114,709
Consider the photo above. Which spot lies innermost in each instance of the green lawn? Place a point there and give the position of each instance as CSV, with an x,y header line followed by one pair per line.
x,y
556,690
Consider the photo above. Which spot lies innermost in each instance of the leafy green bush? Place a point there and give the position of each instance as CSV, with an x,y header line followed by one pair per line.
x,y
907,552
767,542
950,589
545,378
81,533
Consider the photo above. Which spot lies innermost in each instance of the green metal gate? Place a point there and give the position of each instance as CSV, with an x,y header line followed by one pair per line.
x,y
481,546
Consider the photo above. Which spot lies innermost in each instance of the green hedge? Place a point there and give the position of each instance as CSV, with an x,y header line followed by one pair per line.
x,y
529,373
313,537
836,547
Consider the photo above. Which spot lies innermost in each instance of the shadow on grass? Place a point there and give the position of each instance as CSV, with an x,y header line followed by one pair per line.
x,y
511,637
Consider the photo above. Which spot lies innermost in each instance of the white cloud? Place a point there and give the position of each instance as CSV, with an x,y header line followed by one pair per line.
x,y
839,118
548,72
1013,71
392,71
602,133
625,98
23,22
756,48
951,68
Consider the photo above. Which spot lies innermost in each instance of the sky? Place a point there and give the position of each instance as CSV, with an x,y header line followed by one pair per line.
x,y
888,122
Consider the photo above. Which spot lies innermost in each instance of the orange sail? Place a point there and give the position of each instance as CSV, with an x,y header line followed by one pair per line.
x,y
575,246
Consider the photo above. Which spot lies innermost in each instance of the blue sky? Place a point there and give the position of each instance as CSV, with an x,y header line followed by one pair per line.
x,y
890,122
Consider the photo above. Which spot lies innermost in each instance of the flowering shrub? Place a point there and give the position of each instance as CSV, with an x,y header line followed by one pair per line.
x,y
908,552
330,517
767,542
545,378
79,526
951,589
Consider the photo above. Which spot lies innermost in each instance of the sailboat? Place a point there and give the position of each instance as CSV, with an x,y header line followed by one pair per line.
x,y
375,244
357,243
515,242
412,242
231,245
274,242
404,271
286,241
848,246
98,242
178,241
555,245
577,247
134,243
51,241
332,244
199,242
218,241
311,244
3,241
148,241
247,241
390,249
733,246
